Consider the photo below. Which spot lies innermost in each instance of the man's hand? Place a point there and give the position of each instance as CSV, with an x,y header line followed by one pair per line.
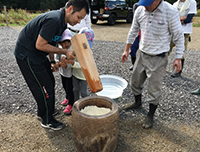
x,y
70,55
124,56
177,64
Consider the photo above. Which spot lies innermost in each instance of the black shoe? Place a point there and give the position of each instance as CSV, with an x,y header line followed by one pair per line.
x,y
148,122
53,124
196,92
131,68
175,75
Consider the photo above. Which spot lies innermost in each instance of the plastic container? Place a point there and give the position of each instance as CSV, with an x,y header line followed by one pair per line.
x,y
113,86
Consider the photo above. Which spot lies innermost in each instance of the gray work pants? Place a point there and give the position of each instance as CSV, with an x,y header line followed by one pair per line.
x,y
150,68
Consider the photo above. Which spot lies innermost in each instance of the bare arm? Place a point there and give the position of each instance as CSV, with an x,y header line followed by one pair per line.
x,y
43,45
126,53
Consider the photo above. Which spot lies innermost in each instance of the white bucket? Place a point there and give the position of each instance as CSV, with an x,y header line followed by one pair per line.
x,y
113,86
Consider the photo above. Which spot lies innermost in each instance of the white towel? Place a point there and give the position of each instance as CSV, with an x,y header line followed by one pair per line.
x,y
184,7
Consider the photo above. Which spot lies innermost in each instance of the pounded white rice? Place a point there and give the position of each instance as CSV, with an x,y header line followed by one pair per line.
x,y
95,111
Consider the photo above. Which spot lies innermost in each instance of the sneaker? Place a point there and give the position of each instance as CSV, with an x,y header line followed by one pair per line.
x,y
65,102
68,109
53,124
131,68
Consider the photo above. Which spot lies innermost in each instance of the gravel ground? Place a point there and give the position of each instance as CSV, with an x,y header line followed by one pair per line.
x,y
177,117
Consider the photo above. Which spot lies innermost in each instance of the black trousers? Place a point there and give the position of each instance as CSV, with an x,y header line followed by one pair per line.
x,y
68,87
41,82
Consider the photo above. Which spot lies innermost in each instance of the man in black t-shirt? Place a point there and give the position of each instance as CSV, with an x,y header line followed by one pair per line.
x,y
37,40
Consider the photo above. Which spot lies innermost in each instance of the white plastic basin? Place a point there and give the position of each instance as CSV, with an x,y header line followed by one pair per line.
x,y
113,86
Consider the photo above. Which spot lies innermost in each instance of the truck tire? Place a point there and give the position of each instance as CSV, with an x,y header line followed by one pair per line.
x,y
129,18
112,19
94,21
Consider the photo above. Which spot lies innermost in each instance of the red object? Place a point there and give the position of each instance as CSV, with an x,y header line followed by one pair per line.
x,y
65,102
68,109
139,34
106,8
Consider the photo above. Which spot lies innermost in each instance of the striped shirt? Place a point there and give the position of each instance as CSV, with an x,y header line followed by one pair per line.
x,y
157,27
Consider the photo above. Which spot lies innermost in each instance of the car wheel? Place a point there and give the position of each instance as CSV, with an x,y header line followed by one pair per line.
x,y
94,21
111,19
130,18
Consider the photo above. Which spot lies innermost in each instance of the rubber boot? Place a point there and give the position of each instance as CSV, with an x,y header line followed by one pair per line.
x,y
196,92
174,74
137,104
148,123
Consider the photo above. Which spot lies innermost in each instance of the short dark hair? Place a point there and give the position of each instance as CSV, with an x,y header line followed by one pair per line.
x,y
78,5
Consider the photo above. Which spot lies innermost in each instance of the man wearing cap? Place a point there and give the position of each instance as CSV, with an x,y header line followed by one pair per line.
x,y
158,21
38,39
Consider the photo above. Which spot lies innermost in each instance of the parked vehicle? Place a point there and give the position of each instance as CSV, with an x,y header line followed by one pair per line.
x,y
111,10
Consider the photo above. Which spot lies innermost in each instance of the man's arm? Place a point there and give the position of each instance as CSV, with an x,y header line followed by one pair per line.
x,y
188,19
133,32
178,38
43,45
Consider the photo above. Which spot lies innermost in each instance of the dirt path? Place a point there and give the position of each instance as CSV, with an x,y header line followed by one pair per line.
x,y
120,30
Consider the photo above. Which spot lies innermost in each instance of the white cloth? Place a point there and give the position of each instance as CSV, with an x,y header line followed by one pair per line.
x,y
184,10
157,27
183,6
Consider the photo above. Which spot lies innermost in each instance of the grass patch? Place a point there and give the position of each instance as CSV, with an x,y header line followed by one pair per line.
x,y
21,17
17,17
196,21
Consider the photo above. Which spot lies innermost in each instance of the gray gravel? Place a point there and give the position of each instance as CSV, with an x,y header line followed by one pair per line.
x,y
177,103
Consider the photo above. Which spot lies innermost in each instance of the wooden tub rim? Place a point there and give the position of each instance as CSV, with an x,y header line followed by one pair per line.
x,y
82,103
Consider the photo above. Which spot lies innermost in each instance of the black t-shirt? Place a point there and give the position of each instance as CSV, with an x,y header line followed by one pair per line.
x,y
49,26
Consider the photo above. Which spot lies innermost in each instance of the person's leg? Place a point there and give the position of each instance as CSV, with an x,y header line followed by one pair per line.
x,y
65,85
171,46
156,69
137,79
76,89
70,91
174,74
133,61
84,86
70,96
41,82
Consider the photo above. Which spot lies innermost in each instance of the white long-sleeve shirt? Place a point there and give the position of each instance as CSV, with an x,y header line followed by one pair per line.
x,y
187,28
157,27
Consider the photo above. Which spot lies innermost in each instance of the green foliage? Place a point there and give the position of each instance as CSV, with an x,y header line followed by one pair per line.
x,y
33,4
198,13
17,17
